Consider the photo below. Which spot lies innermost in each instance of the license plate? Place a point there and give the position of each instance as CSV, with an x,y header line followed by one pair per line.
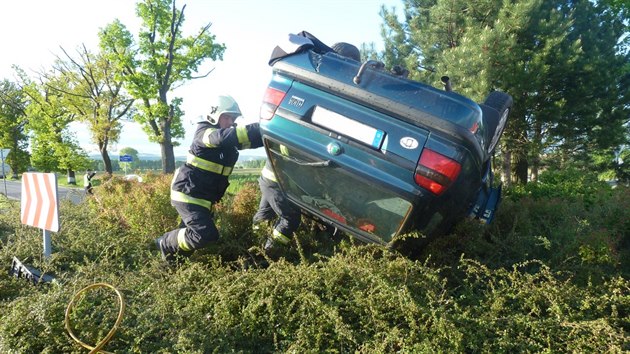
x,y
348,127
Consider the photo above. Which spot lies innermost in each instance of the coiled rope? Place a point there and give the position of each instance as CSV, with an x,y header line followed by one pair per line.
x,y
121,310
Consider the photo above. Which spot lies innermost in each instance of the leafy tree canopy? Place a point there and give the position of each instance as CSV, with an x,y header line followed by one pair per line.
x,y
158,61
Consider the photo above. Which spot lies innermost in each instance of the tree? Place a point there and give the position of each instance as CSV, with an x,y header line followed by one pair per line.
x,y
95,95
549,55
161,60
13,121
53,146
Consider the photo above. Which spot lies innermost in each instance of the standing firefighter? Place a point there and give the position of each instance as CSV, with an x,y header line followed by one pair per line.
x,y
202,181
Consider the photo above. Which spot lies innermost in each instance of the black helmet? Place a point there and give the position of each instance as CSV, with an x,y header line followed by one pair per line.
x,y
347,50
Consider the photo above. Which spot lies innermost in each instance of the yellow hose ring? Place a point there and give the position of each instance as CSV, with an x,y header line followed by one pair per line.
x,y
109,336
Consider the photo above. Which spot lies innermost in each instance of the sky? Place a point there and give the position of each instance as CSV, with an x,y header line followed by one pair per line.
x,y
35,30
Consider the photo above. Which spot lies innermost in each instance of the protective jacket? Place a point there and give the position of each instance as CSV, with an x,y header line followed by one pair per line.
x,y
211,158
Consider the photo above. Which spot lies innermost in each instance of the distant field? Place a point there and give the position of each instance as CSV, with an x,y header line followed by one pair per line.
x,y
247,171
63,181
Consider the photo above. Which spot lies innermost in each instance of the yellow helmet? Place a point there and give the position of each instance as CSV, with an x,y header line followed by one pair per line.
x,y
222,104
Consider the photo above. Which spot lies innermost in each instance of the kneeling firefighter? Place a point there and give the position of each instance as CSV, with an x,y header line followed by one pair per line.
x,y
274,204
202,181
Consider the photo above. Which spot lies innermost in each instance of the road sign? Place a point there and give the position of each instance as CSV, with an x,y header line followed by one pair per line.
x,y
39,201
40,204
3,154
125,158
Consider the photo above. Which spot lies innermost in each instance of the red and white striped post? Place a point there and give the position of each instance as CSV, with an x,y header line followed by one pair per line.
x,y
40,204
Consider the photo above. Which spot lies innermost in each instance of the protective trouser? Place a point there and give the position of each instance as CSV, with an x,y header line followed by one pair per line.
x,y
199,231
274,203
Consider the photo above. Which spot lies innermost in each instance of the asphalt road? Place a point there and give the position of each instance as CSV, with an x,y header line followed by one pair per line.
x,y
13,190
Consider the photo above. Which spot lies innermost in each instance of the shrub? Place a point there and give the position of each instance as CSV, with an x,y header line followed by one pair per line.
x,y
569,184
549,276
141,208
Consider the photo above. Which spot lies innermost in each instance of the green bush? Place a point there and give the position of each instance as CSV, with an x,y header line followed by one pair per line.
x,y
591,242
550,275
568,184
138,208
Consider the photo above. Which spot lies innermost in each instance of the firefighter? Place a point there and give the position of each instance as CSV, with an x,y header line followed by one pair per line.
x,y
202,181
273,203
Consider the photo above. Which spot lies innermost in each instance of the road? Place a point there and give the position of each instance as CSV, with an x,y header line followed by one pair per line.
x,y
14,191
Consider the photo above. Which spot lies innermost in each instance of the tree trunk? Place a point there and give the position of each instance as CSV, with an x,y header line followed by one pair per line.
x,y
521,168
168,155
534,174
106,160
507,168
71,177
537,143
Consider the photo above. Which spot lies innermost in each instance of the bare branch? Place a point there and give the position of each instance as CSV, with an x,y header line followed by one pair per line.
x,y
204,75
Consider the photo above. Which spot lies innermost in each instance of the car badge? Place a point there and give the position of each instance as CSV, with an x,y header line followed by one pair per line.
x,y
409,143
296,101
334,149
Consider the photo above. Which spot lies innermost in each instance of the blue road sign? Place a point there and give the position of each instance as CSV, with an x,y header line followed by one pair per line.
x,y
125,158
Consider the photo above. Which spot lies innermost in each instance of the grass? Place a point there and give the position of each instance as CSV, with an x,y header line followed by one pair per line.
x,y
550,275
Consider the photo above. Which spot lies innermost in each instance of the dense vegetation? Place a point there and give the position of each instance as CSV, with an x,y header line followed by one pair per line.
x,y
550,275
549,55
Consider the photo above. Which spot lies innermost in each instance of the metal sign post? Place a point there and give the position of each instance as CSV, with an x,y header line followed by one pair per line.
x,y
47,243
3,153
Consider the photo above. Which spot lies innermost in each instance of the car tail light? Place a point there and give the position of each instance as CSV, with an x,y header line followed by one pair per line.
x,y
435,171
366,225
271,101
334,215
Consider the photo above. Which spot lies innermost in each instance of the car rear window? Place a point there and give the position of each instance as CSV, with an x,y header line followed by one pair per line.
x,y
338,196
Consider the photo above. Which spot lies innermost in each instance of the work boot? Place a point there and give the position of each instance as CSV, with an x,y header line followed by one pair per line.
x,y
274,249
271,251
255,260
167,256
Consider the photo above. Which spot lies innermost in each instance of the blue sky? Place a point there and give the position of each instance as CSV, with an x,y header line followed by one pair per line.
x,y
35,30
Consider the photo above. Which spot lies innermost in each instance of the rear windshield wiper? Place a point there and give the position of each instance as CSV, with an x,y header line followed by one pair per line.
x,y
324,163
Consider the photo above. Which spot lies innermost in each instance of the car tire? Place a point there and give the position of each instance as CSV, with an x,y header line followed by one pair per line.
x,y
502,103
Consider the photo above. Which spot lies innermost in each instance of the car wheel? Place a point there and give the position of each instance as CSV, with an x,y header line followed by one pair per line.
x,y
495,124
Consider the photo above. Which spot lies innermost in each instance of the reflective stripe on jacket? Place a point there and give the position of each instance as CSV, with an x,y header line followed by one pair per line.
x,y
181,197
208,165
268,173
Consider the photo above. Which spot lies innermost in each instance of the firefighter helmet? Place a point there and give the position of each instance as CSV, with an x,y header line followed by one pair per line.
x,y
222,104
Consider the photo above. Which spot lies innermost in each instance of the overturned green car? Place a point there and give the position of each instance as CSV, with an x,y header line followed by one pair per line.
x,y
373,153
